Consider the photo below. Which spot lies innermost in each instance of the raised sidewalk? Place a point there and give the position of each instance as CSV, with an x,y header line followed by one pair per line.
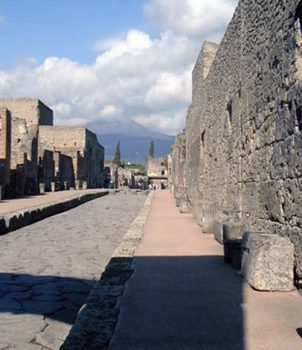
x,y
180,295
16,213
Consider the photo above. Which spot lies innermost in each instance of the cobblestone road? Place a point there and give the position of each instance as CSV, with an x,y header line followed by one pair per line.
x,y
48,268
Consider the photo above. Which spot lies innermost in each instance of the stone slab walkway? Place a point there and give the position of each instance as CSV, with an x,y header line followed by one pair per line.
x,y
182,296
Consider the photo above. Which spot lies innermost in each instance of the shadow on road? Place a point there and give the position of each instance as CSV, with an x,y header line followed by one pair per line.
x,y
58,298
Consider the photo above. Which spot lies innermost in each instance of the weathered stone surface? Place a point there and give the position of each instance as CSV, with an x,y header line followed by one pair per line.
x,y
53,265
244,125
232,230
268,261
184,206
97,319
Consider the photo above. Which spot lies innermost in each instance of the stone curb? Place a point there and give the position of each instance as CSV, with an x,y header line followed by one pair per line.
x,y
15,220
97,319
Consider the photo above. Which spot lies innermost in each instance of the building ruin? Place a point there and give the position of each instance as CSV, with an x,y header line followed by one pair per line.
x,y
38,156
157,171
243,157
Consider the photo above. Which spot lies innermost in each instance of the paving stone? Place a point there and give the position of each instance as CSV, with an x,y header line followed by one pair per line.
x,y
55,257
40,307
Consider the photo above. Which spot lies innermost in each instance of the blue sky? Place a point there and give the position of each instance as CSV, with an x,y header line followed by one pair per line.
x,y
68,28
100,60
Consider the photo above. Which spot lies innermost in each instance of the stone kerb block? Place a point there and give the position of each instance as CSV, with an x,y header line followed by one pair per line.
x,y
208,216
232,230
77,184
184,206
179,194
268,261
42,188
232,238
218,227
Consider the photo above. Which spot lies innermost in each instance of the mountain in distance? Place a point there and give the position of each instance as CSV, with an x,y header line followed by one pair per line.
x,y
134,138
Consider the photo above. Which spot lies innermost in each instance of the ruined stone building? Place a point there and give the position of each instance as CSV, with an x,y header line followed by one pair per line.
x,y
243,156
5,154
26,117
34,152
157,171
79,158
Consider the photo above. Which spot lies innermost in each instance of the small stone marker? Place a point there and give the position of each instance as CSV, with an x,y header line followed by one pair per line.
x,y
53,186
218,231
42,188
77,184
184,207
268,261
84,185
208,215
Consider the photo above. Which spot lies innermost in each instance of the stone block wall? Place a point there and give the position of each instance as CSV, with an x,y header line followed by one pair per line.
x,y
24,157
32,110
95,160
27,115
246,162
5,146
156,167
179,167
82,147
46,168
194,134
64,170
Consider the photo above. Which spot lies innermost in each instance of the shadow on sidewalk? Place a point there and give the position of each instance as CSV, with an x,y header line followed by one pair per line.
x,y
185,303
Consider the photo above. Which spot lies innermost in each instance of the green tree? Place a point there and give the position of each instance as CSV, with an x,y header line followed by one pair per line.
x,y
117,155
151,149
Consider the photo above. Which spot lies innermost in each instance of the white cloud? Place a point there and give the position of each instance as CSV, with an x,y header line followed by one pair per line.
x,y
110,111
134,77
197,18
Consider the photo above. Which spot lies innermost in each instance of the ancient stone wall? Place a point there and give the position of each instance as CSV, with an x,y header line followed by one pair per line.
x,y
27,115
24,157
194,135
81,146
179,168
157,171
46,168
32,110
5,145
250,123
95,160
64,170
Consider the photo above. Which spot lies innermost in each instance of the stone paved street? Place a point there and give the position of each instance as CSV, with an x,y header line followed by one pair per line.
x,y
48,268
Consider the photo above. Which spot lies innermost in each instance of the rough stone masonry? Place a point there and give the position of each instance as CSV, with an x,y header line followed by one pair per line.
x,y
244,126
